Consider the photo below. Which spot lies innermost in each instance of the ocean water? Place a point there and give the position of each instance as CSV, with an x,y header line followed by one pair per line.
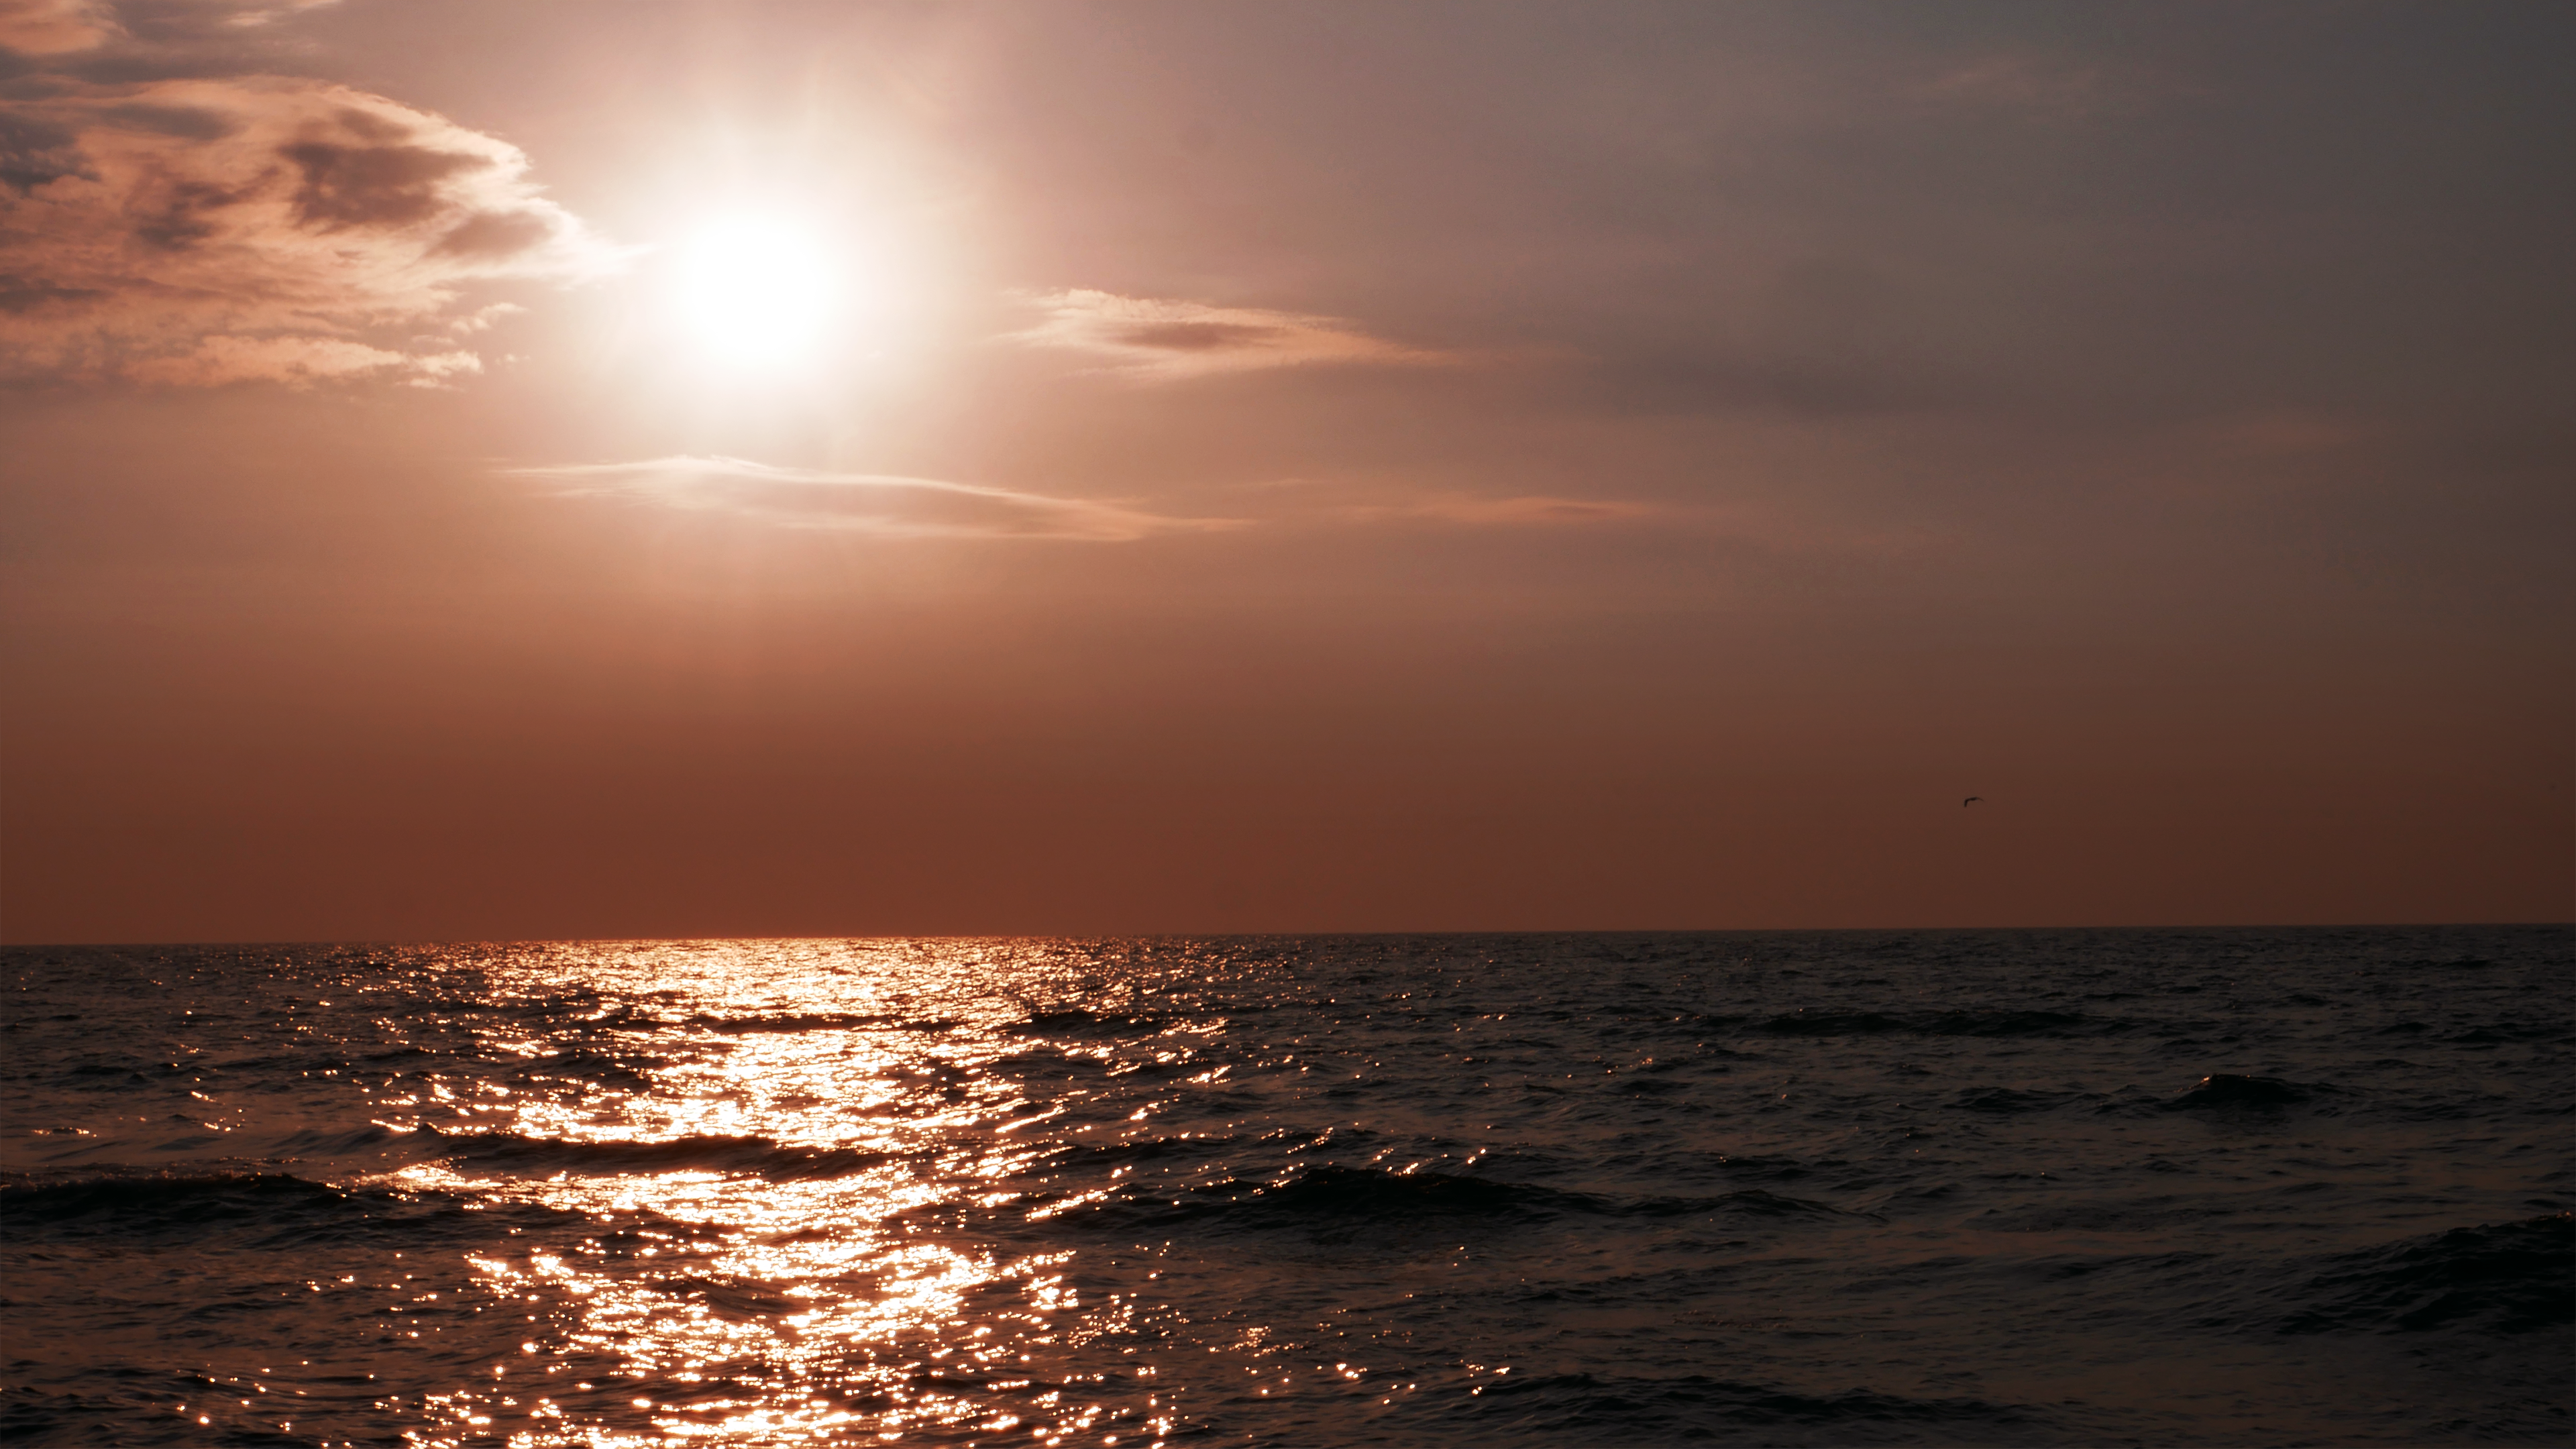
x,y
2100,1187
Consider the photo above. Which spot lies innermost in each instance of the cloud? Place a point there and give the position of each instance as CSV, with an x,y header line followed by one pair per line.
x,y
53,27
2284,432
1525,511
245,16
894,506
1164,341
2024,82
199,231
876,503
152,35
296,361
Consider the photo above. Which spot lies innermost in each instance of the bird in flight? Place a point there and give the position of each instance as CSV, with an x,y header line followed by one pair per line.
x,y
1971,800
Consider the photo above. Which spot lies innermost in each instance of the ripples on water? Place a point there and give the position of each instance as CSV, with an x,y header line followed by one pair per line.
x,y
2157,1187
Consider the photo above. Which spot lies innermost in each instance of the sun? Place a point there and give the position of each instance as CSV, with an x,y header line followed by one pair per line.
x,y
757,291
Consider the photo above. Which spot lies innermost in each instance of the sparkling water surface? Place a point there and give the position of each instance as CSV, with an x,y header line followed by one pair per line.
x,y
2155,1187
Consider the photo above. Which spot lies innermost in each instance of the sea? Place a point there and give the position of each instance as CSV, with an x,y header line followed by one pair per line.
x,y
2099,1187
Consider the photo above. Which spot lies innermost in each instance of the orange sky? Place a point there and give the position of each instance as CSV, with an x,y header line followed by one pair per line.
x,y
630,468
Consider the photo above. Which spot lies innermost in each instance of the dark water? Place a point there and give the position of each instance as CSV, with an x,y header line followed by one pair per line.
x,y
2155,1187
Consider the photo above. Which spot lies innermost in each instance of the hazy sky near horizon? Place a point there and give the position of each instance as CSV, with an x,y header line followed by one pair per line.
x,y
638,468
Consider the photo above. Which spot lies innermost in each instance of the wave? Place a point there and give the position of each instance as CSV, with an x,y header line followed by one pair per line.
x,y
1078,1022
2226,1089
130,1070
745,1156
1077,1156
267,1211
1830,1023
2497,1033
326,1142
731,1299
2009,1100
173,1198
2021,1023
2500,1278
1589,1408
1333,1197
792,1022
1947,1023
597,1068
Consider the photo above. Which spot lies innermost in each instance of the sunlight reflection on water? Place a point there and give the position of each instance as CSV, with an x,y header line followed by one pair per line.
x,y
765,1308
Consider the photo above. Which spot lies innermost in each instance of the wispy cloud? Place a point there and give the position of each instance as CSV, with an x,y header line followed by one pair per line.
x,y
1390,504
2284,432
2031,83
1158,340
884,504
1523,511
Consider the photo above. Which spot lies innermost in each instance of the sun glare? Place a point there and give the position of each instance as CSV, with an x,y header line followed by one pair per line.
x,y
755,291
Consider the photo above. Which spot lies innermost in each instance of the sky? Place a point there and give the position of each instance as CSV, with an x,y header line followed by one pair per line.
x,y
506,469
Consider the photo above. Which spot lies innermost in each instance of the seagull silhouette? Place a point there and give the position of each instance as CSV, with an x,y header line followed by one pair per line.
x,y
1971,800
